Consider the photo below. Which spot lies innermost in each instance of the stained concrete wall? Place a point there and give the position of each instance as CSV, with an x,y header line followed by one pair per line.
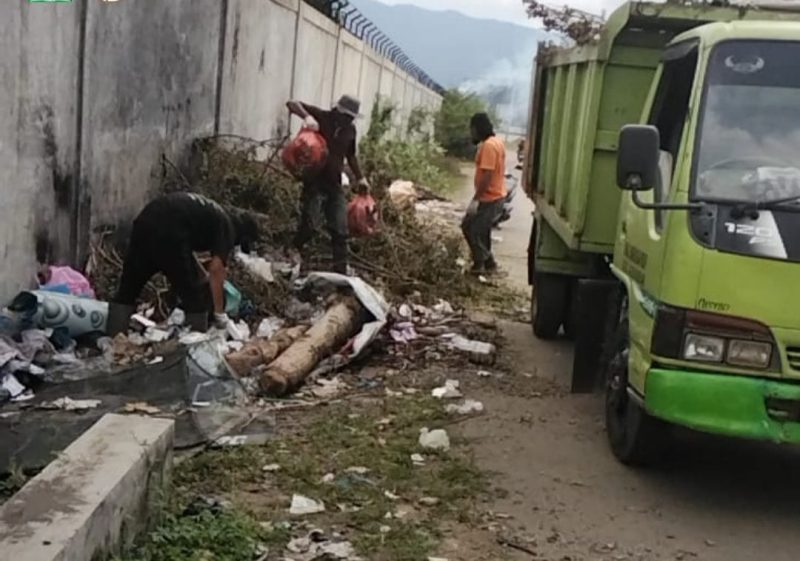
x,y
258,68
100,97
150,86
39,69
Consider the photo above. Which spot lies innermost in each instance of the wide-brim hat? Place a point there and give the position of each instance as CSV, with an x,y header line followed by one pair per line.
x,y
348,105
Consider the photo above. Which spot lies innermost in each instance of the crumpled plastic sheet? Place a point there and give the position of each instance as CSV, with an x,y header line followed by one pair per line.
x,y
373,302
210,378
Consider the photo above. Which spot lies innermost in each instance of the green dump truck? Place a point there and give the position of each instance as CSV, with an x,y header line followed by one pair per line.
x,y
664,161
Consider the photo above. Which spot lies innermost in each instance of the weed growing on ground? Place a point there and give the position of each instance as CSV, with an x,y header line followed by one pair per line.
x,y
372,494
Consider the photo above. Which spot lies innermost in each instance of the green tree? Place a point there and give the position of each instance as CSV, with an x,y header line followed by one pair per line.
x,y
452,122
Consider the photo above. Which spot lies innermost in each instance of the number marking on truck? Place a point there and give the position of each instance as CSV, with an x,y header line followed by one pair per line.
x,y
758,234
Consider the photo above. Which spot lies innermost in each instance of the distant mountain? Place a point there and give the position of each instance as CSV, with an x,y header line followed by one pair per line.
x,y
489,57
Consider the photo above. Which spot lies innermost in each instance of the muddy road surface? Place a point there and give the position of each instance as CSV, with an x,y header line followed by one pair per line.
x,y
712,499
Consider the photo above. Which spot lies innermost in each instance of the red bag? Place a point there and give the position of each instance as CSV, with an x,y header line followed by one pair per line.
x,y
362,216
306,154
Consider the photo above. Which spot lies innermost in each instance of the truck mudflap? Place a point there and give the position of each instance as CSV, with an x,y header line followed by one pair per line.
x,y
597,307
737,406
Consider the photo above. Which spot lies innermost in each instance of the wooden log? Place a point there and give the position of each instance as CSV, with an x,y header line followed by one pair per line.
x,y
292,367
263,351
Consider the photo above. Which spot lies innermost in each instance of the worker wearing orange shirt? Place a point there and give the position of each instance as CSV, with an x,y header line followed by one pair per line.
x,y
490,192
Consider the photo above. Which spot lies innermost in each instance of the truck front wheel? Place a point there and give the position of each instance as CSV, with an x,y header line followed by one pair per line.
x,y
549,304
636,438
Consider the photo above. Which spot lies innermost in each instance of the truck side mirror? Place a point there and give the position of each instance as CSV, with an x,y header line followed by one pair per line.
x,y
637,157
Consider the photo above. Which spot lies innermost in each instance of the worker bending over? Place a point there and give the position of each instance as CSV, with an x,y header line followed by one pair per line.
x,y
165,237
338,129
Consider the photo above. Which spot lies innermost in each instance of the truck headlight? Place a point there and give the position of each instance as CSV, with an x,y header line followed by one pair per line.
x,y
703,348
749,353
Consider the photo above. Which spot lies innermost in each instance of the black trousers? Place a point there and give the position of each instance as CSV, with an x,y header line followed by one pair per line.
x,y
150,253
478,232
333,203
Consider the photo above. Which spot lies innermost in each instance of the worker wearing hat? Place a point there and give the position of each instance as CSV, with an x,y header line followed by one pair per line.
x,y
337,127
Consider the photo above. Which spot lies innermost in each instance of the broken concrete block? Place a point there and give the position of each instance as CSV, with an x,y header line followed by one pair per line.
x,y
95,497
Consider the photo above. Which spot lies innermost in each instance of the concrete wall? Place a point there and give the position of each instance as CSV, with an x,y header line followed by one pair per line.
x,y
96,92
39,70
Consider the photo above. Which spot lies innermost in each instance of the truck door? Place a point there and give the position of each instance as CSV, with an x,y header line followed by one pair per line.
x,y
642,236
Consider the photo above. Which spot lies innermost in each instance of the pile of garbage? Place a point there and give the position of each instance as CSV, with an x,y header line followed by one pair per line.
x,y
406,254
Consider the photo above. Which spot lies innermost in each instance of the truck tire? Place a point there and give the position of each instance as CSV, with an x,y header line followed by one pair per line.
x,y
636,438
549,304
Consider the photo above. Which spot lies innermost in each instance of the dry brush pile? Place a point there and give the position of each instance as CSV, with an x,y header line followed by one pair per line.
x,y
404,257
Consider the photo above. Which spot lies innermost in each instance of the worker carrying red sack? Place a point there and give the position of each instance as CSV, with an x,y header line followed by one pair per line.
x,y
306,154
337,127
362,216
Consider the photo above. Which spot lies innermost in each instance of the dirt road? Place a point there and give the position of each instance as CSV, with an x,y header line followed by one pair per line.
x,y
715,499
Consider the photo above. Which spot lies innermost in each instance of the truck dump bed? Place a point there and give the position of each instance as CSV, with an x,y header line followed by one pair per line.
x,y
582,97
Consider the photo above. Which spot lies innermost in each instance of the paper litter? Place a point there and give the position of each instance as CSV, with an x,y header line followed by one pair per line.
x,y
303,506
434,440
469,407
269,327
141,407
257,266
448,391
69,404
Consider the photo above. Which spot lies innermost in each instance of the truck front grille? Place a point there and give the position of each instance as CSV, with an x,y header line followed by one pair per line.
x,y
793,355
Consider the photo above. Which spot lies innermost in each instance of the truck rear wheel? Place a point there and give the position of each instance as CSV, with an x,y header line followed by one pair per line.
x,y
636,438
549,304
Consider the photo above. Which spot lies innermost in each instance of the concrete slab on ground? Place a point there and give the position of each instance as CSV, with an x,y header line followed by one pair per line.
x,y
94,497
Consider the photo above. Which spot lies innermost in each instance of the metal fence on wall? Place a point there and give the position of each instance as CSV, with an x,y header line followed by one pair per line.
x,y
349,17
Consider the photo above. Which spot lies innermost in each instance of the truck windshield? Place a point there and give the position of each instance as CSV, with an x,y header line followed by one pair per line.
x,y
748,148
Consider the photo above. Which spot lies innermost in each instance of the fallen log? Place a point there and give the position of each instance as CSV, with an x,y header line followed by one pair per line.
x,y
263,351
326,336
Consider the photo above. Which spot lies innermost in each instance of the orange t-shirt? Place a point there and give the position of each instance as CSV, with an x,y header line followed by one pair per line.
x,y
492,159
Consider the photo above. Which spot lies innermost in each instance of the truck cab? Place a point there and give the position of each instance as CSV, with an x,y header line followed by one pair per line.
x,y
708,242
665,165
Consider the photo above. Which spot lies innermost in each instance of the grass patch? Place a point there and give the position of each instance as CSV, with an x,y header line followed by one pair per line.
x,y
13,482
378,438
226,535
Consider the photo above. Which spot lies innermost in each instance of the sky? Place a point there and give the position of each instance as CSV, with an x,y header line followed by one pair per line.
x,y
506,10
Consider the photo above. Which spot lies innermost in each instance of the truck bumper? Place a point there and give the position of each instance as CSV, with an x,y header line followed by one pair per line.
x,y
736,406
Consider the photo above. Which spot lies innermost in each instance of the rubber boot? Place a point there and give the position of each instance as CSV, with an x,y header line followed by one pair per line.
x,y
119,318
197,321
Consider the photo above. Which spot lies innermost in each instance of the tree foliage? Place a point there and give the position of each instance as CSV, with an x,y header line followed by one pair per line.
x,y
452,122
415,158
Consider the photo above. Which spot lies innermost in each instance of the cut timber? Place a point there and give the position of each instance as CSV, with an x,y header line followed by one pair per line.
x,y
290,369
263,351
